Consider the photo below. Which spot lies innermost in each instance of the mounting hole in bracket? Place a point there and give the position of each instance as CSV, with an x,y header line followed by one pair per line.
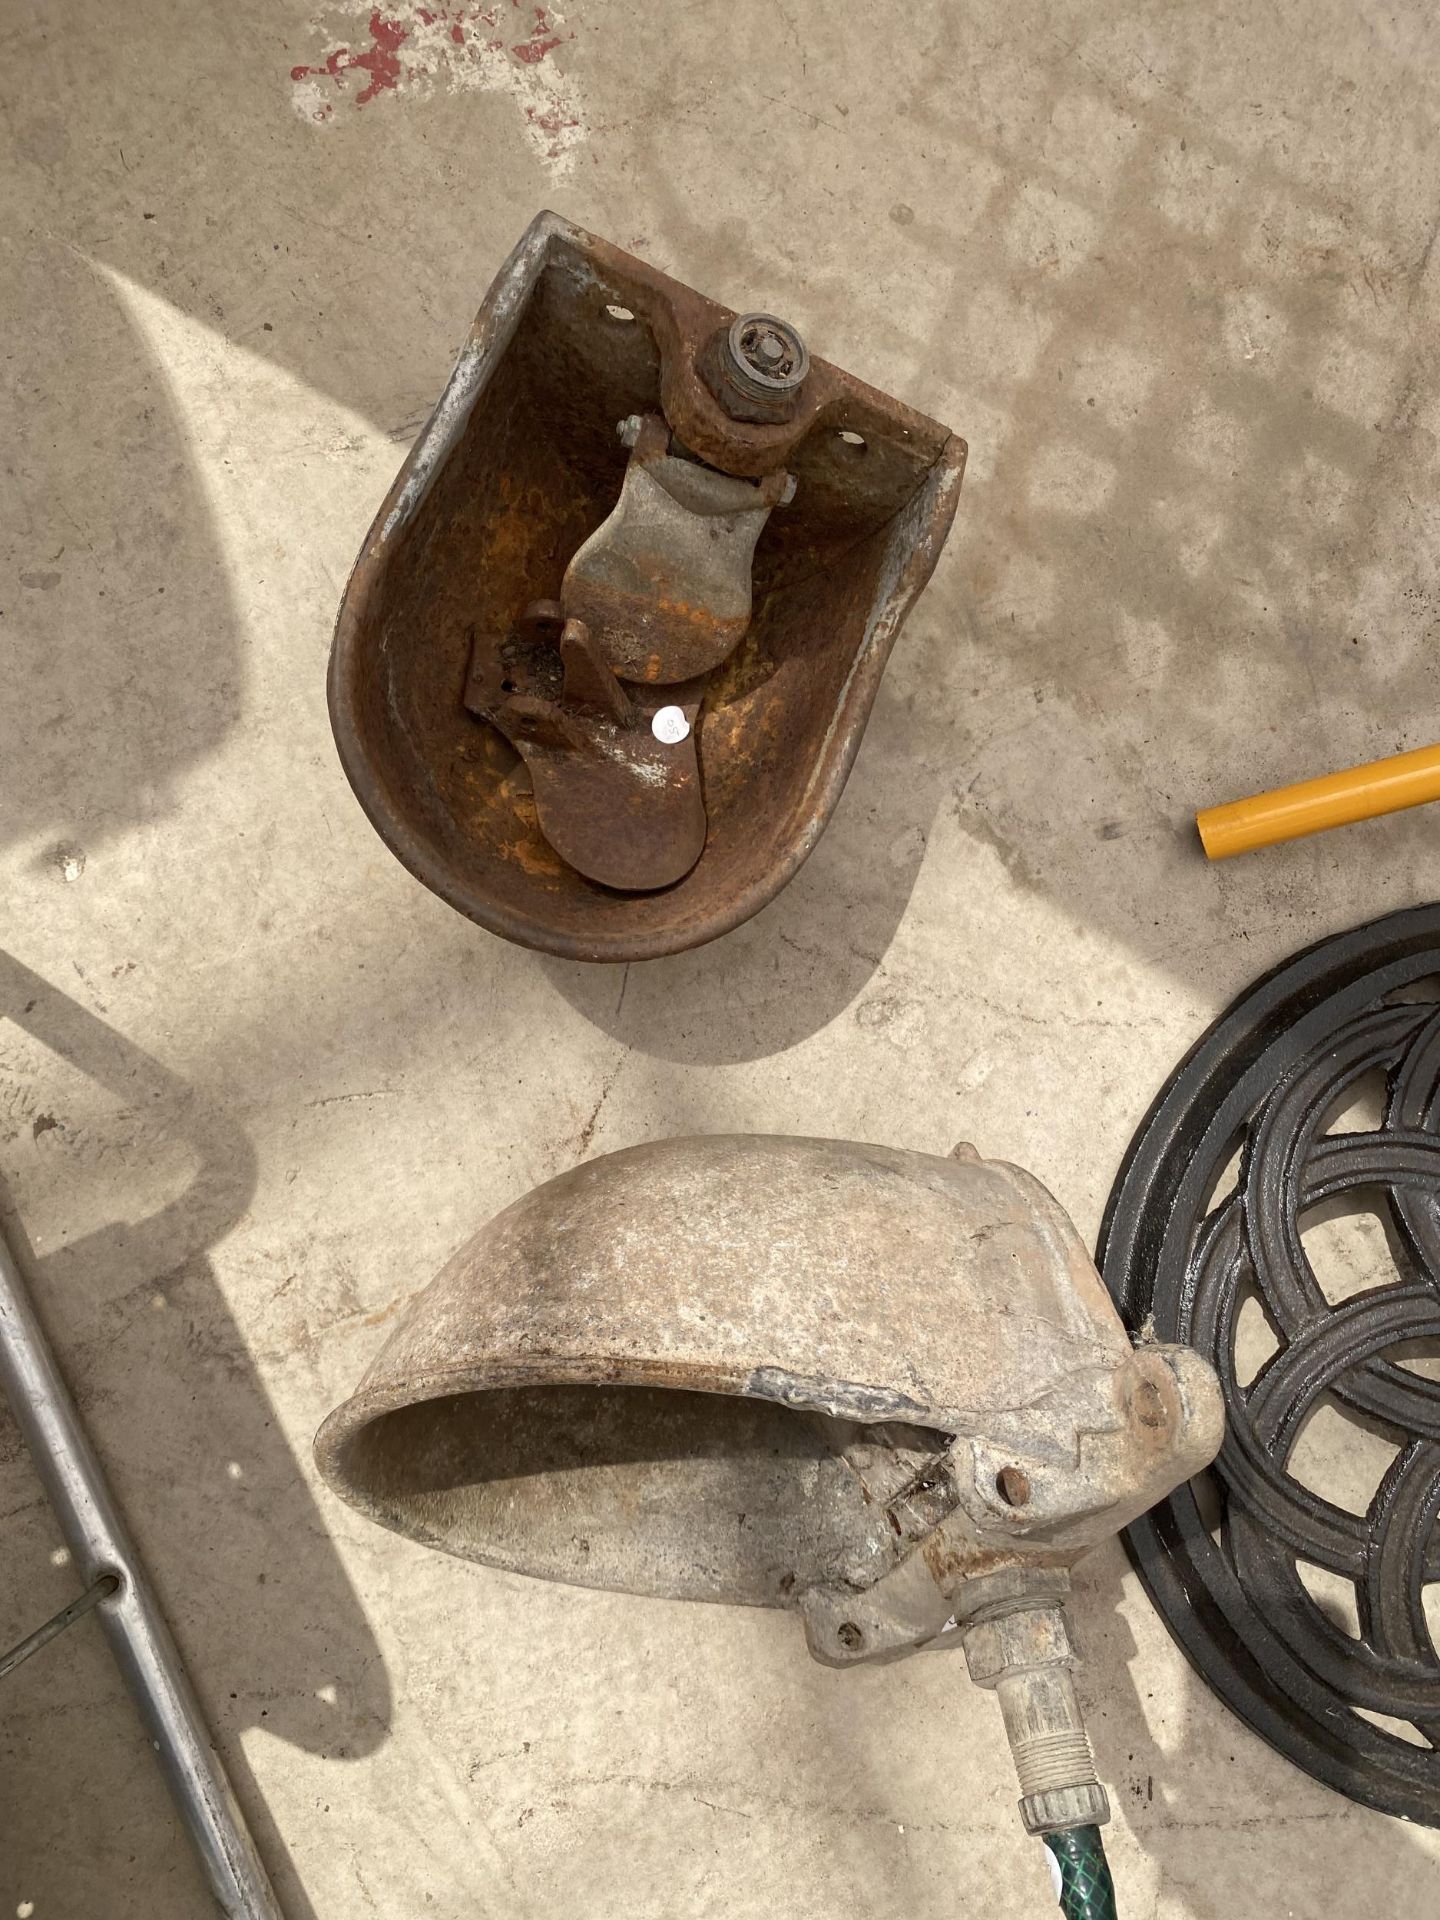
x,y
1013,1486
850,1636
617,312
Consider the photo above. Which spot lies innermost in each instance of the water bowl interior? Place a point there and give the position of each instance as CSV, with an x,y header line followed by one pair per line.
x,y
477,746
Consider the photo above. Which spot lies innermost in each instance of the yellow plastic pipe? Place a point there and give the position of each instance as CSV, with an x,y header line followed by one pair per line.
x,y
1334,800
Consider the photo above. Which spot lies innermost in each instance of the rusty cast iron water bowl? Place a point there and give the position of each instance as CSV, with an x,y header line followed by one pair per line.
x,y
609,649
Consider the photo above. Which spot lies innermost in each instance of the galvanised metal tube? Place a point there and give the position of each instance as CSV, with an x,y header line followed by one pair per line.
x,y
139,1638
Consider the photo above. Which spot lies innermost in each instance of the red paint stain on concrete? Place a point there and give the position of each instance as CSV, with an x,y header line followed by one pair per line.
x,y
380,60
552,121
381,64
543,39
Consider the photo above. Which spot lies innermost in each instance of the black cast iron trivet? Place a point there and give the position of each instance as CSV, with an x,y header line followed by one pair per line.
x,y
1182,1257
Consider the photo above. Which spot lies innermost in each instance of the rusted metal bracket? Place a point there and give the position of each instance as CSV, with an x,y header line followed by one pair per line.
x,y
664,584
645,761
660,595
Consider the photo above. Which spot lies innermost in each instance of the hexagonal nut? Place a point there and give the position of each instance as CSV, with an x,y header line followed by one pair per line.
x,y
1009,1588
1014,1642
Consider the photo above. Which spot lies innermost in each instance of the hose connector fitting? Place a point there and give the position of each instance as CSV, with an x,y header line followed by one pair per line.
x,y
1020,1646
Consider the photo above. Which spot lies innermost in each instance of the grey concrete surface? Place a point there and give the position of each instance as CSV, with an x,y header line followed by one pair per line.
x,y
1172,271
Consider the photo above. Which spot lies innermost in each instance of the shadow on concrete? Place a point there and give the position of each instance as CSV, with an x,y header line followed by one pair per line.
x,y
262,1609
123,645
1189,556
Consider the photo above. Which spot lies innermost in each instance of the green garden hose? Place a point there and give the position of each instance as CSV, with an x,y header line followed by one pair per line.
x,y
1086,1890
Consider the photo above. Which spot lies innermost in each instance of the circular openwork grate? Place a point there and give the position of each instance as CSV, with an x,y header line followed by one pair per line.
x,y
1301,1603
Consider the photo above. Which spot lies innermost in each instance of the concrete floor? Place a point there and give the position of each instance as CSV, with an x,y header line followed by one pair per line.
x,y
1171,271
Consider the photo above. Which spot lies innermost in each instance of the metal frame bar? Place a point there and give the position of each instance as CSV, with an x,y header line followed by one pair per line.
x,y
102,1550
58,1622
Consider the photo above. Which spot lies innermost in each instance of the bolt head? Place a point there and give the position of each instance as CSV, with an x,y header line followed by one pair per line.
x,y
766,350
